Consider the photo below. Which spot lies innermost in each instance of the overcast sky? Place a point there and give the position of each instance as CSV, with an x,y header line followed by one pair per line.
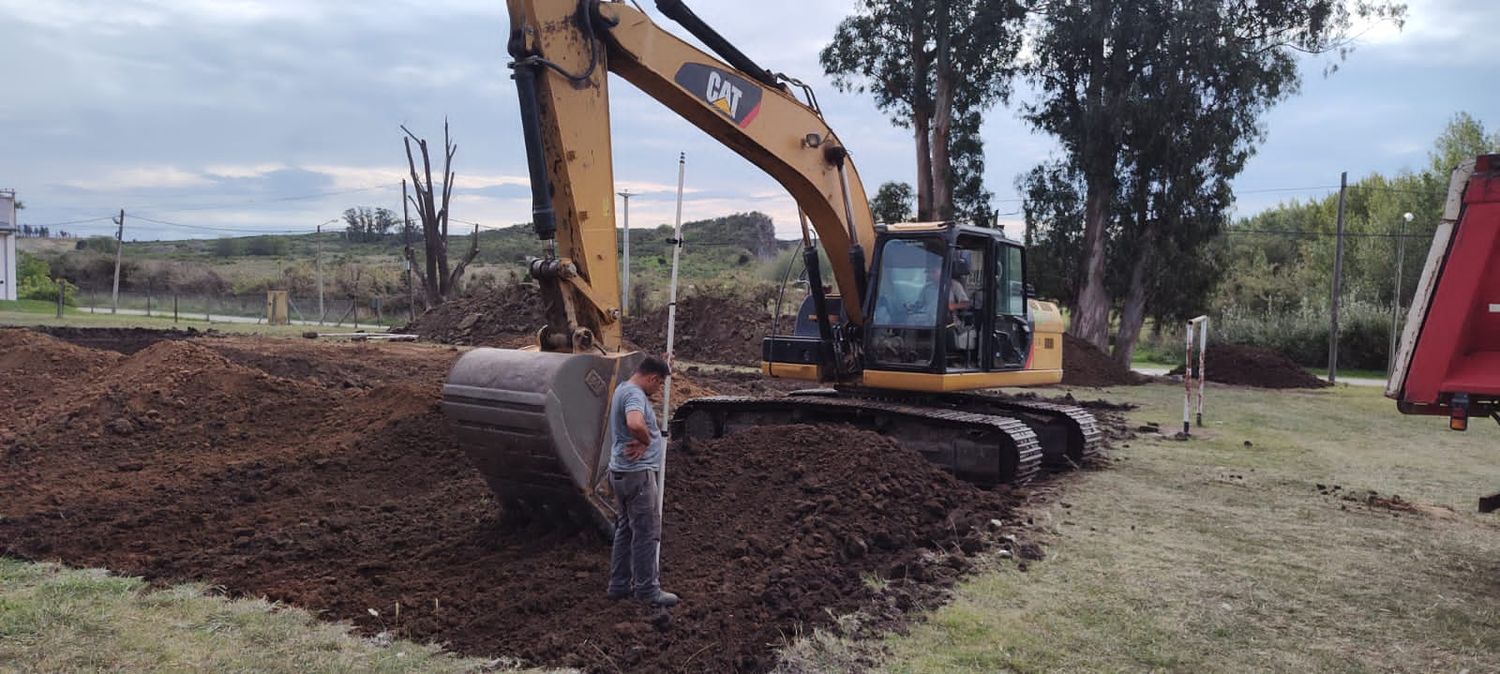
x,y
232,116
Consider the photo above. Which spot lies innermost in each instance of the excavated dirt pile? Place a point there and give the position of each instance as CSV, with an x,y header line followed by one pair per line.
x,y
33,366
122,340
710,328
1254,366
325,476
507,317
1085,365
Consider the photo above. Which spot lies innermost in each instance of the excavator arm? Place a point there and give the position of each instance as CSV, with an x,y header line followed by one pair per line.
x,y
563,50
534,423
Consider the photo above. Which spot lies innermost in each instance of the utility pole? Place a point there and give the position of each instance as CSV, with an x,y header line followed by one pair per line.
x,y
406,256
1390,359
114,303
1338,278
625,268
318,264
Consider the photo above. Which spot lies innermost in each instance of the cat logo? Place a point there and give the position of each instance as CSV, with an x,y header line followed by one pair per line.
x,y
732,95
722,93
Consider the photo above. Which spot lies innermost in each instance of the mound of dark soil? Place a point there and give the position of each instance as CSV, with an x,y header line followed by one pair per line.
x,y
507,317
1085,365
34,368
1254,366
710,329
183,462
121,340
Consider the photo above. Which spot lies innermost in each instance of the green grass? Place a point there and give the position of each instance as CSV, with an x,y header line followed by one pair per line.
x,y
83,319
1151,363
1352,373
30,307
1215,555
54,619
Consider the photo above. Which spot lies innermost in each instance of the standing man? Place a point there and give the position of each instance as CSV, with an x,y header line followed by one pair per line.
x,y
634,467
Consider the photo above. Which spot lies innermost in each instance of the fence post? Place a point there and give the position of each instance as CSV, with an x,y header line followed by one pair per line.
x,y
1338,279
174,307
1187,378
1196,331
62,289
148,298
1202,364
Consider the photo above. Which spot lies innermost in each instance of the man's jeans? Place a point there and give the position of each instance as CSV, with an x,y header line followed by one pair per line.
x,y
637,533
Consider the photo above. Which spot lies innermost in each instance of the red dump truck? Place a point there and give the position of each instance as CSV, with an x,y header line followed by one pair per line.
x,y
1449,360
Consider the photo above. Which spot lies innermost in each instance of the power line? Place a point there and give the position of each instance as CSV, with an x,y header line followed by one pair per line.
x,y
218,229
298,197
74,222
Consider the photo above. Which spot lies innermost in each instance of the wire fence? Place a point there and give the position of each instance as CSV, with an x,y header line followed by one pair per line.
x,y
246,308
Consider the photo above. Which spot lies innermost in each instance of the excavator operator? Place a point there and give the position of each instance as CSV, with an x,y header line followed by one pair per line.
x,y
927,301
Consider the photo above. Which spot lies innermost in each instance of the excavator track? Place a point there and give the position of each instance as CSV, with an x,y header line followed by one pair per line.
x,y
1070,435
978,447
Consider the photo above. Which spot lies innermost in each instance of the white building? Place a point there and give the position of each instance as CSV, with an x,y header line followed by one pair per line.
x,y
8,230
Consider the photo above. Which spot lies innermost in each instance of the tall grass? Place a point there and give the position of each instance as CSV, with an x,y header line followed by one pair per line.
x,y
1301,334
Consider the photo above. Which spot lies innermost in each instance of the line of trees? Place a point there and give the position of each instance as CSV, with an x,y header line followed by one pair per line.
x,y
44,232
1156,104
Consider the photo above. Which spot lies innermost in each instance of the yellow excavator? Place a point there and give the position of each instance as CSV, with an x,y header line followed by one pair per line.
x,y
935,312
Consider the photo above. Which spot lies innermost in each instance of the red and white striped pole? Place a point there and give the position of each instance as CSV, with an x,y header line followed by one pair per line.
x,y
1187,379
1196,333
1202,363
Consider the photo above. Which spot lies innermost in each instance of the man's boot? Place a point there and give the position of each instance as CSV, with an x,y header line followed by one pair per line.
x,y
661,598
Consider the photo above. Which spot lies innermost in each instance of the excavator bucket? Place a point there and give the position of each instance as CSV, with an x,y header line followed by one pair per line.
x,y
535,425
1449,360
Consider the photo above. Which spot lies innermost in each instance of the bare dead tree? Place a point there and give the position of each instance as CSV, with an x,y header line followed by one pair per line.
x,y
439,282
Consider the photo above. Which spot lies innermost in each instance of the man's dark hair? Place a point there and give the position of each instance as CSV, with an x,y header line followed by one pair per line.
x,y
654,365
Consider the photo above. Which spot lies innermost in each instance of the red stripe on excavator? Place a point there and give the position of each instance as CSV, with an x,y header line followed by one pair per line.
x,y
750,116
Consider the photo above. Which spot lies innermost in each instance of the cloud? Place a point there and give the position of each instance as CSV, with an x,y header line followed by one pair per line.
x,y
141,177
250,109
243,170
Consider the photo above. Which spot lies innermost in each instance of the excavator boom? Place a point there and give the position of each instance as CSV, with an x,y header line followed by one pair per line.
x,y
564,51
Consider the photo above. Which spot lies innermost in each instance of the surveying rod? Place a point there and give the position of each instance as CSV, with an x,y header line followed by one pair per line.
x,y
666,394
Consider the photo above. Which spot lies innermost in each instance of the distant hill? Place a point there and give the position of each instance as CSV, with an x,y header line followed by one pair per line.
x,y
731,249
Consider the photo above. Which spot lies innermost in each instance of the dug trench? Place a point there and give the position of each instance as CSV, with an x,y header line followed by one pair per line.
x,y
325,476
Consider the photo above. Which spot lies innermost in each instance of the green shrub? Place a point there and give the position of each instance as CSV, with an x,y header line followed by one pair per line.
x,y
1301,334
227,247
34,281
98,244
266,246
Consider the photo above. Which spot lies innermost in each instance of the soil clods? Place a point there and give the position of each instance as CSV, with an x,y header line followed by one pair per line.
x,y
325,476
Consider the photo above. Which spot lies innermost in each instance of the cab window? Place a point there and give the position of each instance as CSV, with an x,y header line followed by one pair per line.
x,y
907,301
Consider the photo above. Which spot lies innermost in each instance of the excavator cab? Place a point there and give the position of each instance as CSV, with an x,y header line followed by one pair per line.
x,y
946,299
947,310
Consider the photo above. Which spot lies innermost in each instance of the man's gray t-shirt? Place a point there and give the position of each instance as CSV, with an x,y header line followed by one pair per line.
x,y
630,398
